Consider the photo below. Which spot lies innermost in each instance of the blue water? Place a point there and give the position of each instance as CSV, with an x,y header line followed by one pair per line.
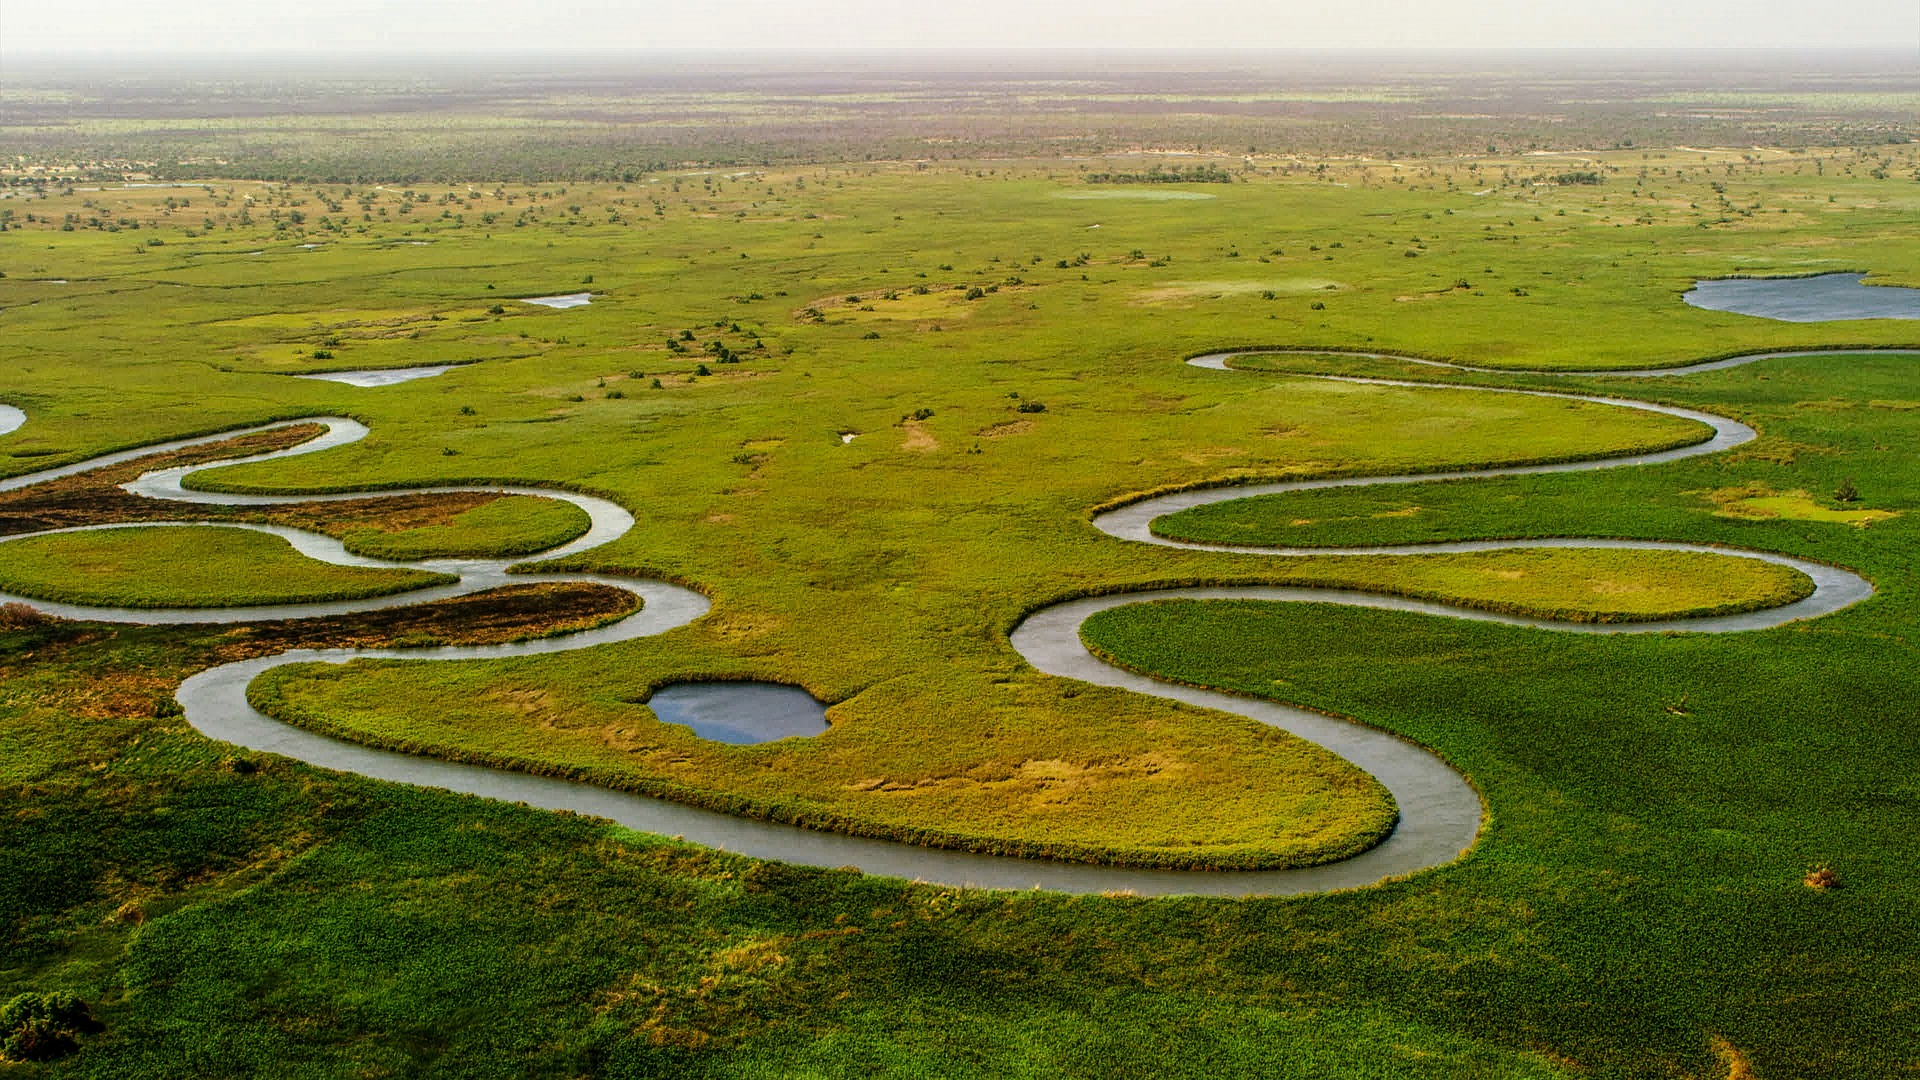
x,y
1825,298
740,712
570,300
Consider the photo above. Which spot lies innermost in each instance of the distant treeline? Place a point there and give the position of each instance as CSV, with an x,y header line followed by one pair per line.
x,y
1199,174
623,125
1566,178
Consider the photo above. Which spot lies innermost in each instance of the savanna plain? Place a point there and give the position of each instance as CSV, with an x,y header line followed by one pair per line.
x,y
868,405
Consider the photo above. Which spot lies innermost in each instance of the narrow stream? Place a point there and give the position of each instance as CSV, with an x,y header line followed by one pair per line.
x,y
1440,813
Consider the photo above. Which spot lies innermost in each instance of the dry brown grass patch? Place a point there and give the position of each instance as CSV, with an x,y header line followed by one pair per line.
x,y
1005,428
1738,1068
918,439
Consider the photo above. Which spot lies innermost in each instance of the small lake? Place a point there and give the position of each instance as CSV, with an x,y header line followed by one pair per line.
x,y
740,712
10,418
571,300
383,377
1825,298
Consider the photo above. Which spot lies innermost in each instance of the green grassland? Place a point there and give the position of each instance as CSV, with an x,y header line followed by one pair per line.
x,y
497,528
238,914
1822,422
1211,793
1604,927
1675,791
187,567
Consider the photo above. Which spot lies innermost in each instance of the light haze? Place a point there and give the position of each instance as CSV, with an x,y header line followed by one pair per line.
x,y
359,27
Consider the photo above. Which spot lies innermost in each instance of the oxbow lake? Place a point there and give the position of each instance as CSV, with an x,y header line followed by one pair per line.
x,y
1823,298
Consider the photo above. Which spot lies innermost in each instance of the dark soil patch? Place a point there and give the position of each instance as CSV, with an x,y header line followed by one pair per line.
x,y
95,498
510,613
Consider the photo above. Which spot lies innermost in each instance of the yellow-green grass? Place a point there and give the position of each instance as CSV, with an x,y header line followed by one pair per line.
x,y
186,567
1129,786
1196,791
500,528
1760,503
884,573
1573,584
1673,802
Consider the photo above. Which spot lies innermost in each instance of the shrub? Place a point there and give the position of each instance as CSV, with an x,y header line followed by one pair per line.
x,y
1846,492
703,370
41,1027
18,616
1031,407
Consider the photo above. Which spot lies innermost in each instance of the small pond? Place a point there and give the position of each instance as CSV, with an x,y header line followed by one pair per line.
x,y
10,418
382,377
740,712
571,300
1824,298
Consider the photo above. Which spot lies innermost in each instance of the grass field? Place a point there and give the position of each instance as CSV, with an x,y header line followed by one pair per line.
x,y
500,527
1634,909
188,567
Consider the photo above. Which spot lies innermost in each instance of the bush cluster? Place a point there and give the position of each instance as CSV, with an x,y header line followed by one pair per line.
x,y
18,616
41,1027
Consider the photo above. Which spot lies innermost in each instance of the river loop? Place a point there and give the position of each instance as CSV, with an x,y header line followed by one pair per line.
x,y
1440,812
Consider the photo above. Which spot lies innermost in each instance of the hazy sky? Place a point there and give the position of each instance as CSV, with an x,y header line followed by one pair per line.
x,y
492,25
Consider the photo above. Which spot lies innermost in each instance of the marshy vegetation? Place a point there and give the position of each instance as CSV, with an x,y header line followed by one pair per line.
x,y
1641,893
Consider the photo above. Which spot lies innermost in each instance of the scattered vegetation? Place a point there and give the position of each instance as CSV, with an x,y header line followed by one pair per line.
x,y
1197,174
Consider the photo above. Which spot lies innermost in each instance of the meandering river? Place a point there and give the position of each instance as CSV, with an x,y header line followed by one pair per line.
x,y
1440,813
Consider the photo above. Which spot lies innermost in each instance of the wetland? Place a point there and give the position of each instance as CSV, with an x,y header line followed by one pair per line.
x,y
1582,748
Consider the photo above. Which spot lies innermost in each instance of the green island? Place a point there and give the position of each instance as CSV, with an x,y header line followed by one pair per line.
x,y
870,404
187,567
504,526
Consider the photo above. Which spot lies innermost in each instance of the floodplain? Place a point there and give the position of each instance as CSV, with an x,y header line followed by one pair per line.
x,y
1695,856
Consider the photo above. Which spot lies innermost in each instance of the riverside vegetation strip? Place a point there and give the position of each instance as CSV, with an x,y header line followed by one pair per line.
x,y
1116,407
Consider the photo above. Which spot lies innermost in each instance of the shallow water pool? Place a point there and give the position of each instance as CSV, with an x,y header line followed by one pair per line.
x,y
1823,298
740,712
